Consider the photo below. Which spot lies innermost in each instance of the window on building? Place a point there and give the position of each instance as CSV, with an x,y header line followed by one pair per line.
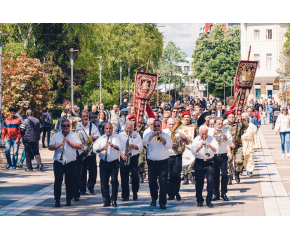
x,y
257,34
186,68
257,58
269,34
269,60
178,68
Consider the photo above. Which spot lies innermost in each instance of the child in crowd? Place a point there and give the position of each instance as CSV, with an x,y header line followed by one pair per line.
x,y
264,115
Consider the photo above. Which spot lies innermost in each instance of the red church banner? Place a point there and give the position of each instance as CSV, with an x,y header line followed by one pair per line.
x,y
243,84
145,84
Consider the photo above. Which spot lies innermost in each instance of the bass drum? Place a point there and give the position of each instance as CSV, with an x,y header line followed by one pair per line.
x,y
187,157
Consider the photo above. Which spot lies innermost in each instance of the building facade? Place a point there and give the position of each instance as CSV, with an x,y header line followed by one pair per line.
x,y
266,41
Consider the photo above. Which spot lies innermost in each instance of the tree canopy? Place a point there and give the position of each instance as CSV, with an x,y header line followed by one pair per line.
x,y
134,43
215,58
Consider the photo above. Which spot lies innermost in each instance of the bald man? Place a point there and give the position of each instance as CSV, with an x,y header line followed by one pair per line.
x,y
164,121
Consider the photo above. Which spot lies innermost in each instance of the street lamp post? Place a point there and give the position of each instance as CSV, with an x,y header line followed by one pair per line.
x,y
129,81
165,89
224,93
72,56
180,89
100,68
175,88
207,89
120,65
169,89
3,39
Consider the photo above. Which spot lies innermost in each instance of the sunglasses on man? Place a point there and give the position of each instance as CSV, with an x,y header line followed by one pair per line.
x,y
65,125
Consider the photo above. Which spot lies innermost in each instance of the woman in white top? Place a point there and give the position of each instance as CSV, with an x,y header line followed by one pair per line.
x,y
283,126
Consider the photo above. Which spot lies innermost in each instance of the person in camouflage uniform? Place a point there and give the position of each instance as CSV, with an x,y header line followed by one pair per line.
x,y
143,151
237,145
188,172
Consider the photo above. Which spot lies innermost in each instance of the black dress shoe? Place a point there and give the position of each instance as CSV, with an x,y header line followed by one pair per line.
x,y
43,146
178,197
114,204
57,203
107,204
153,203
135,196
125,199
225,197
68,203
215,198
170,198
209,204
162,206
199,204
76,199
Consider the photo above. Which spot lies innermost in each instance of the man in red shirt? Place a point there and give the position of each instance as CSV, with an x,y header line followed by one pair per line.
x,y
11,130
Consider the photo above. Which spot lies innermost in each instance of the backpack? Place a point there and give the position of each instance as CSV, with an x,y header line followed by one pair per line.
x,y
47,120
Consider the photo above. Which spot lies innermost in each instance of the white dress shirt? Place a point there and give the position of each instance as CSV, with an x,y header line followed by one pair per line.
x,y
196,144
69,153
218,113
94,131
134,138
171,151
223,147
148,130
112,154
157,150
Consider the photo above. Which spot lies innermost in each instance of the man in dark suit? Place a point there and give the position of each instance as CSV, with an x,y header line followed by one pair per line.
x,y
220,112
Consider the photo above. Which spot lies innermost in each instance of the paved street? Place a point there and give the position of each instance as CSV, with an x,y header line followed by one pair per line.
x,y
266,193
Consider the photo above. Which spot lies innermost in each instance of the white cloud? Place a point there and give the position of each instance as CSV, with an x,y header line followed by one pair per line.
x,y
182,34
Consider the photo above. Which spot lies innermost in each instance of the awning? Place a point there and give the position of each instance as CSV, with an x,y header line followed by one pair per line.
x,y
264,79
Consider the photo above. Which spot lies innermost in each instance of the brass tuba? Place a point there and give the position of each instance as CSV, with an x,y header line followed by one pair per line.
x,y
86,144
180,143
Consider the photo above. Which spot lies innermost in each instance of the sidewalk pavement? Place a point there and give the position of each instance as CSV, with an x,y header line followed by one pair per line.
x,y
266,193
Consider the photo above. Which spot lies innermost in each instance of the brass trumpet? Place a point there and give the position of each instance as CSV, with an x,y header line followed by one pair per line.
x,y
158,138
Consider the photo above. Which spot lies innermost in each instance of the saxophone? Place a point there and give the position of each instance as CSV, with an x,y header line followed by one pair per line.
x,y
128,154
180,143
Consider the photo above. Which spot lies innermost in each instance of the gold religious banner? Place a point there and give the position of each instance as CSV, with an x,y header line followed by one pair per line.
x,y
145,84
243,83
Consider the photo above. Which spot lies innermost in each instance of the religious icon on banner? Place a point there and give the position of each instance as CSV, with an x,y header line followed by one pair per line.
x,y
189,132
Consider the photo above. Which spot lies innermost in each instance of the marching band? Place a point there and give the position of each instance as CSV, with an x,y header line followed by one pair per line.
x,y
212,144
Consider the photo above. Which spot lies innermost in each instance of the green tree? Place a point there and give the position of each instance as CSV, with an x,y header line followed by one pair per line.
x,y
215,58
171,56
284,59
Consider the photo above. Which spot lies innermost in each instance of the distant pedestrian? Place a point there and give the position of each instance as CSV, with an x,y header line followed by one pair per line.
x,y
93,115
124,104
264,115
30,131
11,130
283,126
46,125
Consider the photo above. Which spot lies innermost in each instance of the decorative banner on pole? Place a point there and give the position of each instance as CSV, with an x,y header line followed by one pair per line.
x,y
145,84
243,84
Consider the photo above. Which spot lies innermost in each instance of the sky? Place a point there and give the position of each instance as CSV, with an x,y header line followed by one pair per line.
x,y
182,34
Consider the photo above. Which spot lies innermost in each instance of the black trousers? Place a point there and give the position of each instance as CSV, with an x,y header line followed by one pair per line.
x,y
174,174
107,170
77,177
68,170
202,169
89,163
158,168
124,171
28,153
220,165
